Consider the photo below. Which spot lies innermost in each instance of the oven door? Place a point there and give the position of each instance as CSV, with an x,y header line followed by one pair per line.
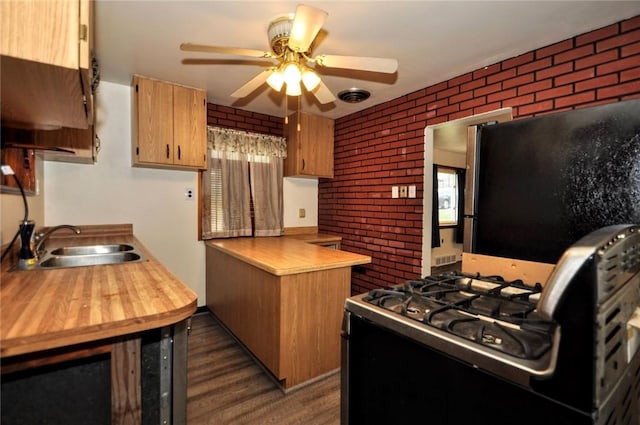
x,y
389,378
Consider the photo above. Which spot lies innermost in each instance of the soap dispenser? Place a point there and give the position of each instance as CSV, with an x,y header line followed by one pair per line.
x,y
27,258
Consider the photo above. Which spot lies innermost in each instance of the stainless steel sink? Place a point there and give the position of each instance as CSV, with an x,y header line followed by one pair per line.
x,y
88,260
92,249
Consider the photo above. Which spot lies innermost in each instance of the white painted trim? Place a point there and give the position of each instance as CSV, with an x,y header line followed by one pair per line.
x,y
428,176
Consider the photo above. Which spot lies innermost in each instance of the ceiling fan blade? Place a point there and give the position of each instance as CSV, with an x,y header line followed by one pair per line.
x,y
190,47
253,84
225,61
323,94
306,24
388,66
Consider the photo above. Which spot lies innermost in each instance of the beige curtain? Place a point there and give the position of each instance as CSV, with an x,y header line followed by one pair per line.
x,y
227,189
266,186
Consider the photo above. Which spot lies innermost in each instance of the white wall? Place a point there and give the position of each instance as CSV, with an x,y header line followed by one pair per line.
x,y
111,191
300,193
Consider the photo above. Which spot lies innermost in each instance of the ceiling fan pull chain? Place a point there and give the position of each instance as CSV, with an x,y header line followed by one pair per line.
x,y
286,110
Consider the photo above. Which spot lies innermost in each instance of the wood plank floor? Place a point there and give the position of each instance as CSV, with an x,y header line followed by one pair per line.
x,y
226,386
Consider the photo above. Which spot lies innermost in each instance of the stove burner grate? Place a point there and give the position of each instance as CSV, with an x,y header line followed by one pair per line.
x,y
485,310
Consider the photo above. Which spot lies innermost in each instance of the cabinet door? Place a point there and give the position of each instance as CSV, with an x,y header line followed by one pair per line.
x,y
41,31
309,146
43,47
316,146
154,122
189,127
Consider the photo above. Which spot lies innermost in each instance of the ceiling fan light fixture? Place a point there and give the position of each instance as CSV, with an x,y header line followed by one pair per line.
x,y
294,89
310,79
276,80
278,32
292,73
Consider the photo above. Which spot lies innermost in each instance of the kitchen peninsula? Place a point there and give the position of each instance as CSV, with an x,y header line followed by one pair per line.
x,y
98,337
283,299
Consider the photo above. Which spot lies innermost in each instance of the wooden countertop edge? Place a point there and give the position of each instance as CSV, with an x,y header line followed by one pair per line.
x,y
315,238
67,337
35,343
296,270
353,260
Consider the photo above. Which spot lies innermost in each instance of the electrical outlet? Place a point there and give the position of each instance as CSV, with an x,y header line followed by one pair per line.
x,y
394,192
188,194
403,191
412,191
302,213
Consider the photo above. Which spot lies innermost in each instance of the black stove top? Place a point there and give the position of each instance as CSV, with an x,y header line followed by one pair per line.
x,y
486,310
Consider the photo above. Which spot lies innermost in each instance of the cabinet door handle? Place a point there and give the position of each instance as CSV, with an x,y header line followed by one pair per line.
x,y
178,151
303,163
167,151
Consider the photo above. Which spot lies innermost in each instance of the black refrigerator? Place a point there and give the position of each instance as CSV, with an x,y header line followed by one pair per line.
x,y
537,185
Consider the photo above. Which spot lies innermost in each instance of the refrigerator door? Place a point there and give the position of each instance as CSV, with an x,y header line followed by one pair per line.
x,y
544,182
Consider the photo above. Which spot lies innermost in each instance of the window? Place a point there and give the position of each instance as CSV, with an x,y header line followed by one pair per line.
x,y
242,188
447,196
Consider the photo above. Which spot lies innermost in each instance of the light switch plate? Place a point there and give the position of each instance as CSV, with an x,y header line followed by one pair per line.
x,y
412,191
394,191
403,191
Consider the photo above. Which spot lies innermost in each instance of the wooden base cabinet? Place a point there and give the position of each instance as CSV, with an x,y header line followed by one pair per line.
x,y
291,323
133,380
169,125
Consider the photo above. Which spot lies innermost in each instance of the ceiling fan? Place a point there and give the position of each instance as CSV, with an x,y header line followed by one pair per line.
x,y
291,37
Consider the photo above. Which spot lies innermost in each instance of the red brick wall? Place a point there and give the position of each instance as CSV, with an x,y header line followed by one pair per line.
x,y
227,117
383,145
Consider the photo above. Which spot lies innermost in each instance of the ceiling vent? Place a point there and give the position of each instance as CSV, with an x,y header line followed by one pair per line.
x,y
353,95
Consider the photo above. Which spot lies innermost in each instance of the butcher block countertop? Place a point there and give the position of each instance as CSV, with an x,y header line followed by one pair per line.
x,y
286,255
316,238
46,309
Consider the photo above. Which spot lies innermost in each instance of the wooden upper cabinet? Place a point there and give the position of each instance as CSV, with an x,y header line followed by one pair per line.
x,y
309,146
169,125
153,122
45,48
189,124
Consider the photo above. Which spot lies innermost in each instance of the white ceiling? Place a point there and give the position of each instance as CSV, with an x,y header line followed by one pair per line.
x,y
433,41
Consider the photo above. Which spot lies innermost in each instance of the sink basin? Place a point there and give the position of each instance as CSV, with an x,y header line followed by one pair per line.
x,y
89,260
91,249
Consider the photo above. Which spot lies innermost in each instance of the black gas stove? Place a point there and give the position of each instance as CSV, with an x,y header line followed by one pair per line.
x,y
479,349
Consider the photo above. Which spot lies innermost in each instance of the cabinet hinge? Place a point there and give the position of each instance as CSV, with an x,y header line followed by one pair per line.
x,y
84,31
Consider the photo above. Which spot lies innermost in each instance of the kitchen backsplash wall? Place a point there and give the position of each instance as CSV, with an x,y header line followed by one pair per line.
x,y
383,146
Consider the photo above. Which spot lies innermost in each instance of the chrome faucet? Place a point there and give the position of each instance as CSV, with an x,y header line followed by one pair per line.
x,y
42,237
